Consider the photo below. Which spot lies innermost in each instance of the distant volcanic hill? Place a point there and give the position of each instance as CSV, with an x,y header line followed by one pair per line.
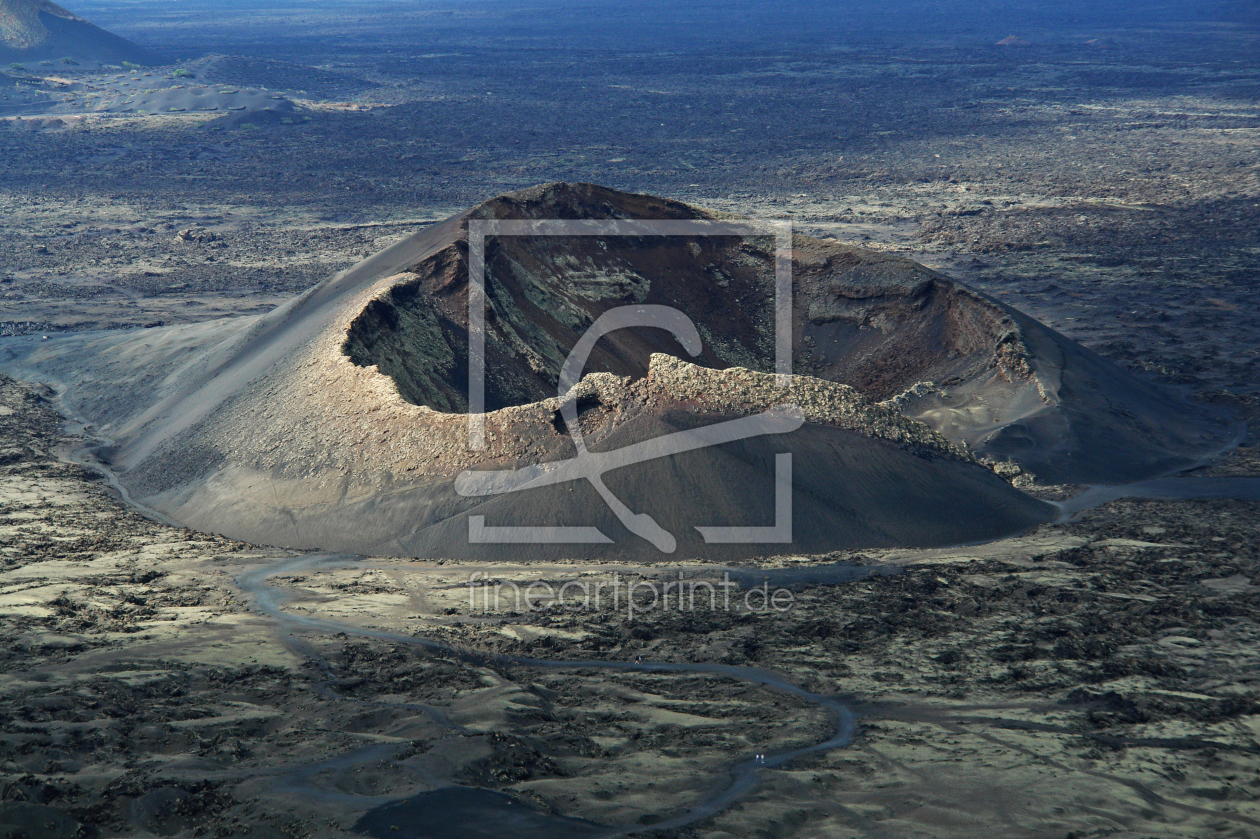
x,y
339,420
32,30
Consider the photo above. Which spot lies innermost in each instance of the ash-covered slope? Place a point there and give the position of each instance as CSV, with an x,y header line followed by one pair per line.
x,y
337,420
970,367
31,30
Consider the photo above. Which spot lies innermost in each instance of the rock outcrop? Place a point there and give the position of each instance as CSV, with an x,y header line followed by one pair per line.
x,y
340,421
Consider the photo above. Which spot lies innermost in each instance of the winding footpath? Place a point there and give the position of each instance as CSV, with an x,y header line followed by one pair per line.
x,y
741,776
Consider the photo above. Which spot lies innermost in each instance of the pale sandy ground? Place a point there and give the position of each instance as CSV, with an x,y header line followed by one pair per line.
x,y
140,694
1090,679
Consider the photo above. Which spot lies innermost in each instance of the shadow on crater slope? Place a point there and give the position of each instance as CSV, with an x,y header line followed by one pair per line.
x,y
31,30
337,421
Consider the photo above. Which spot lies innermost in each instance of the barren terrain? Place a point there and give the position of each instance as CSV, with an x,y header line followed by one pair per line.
x,y
1090,678
1108,663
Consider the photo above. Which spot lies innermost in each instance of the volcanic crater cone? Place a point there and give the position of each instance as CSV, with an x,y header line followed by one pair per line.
x,y
339,421
31,30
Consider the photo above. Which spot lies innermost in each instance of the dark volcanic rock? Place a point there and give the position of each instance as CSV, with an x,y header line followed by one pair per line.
x,y
338,420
